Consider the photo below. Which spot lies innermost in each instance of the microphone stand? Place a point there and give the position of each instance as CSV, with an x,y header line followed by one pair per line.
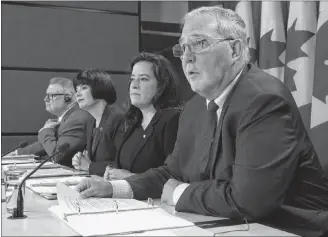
x,y
21,145
18,212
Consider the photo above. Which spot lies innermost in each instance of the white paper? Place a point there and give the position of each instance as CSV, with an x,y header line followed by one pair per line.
x,y
125,222
71,203
52,181
29,166
19,156
18,161
56,172
132,215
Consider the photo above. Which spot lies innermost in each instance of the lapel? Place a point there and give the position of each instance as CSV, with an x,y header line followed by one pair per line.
x,y
89,138
65,117
99,135
68,113
148,133
126,135
218,134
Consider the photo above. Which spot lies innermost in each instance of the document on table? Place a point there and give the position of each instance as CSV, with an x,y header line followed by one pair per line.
x,y
26,166
57,172
108,216
47,187
18,161
19,157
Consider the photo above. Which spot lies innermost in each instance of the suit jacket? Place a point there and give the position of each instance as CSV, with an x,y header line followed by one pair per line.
x,y
157,144
265,168
71,130
104,150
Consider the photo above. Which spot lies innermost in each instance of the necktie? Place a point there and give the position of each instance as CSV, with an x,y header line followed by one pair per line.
x,y
207,134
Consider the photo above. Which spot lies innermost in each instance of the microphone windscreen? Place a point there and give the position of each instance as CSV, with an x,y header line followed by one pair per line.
x,y
23,144
63,147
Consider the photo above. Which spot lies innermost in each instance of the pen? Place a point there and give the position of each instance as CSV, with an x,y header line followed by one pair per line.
x,y
78,208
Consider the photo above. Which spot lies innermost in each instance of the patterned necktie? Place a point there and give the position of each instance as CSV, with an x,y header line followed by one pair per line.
x,y
207,134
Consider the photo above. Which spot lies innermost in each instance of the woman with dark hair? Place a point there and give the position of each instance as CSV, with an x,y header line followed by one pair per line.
x,y
151,120
95,93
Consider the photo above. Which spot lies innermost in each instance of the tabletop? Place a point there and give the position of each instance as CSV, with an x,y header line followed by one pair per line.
x,y
41,222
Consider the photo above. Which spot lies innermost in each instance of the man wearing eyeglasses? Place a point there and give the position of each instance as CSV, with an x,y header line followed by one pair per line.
x,y
68,127
242,150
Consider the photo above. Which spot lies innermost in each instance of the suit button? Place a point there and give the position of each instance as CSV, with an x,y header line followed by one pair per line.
x,y
144,136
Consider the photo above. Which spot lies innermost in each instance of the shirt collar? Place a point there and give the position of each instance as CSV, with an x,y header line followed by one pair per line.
x,y
221,98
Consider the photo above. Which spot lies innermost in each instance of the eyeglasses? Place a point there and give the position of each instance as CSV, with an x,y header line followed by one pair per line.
x,y
53,96
196,45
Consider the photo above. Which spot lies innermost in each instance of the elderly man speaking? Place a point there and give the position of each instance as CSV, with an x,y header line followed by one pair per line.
x,y
242,150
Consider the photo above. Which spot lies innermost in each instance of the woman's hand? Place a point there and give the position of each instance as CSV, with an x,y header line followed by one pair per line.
x,y
113,174
81,161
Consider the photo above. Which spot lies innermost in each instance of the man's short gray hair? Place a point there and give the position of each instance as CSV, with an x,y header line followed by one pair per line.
x,y
229,25
67,85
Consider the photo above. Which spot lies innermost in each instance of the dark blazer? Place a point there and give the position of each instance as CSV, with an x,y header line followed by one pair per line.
x,y
158,143
265,168
71,130
105,148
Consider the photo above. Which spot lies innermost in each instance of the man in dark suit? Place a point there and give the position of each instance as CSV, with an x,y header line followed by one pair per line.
x,y
242,150
69,127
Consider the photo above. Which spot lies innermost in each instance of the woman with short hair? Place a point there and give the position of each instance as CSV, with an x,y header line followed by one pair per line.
x,y
96,94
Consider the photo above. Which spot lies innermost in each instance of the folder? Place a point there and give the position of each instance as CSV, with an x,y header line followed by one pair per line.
x,y
110,216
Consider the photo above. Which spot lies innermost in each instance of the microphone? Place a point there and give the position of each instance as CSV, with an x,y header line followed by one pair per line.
x,y
18,212
21,145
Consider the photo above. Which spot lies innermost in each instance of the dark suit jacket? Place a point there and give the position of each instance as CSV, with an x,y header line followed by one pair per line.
x,y
105,147
158,143
265,168
71,130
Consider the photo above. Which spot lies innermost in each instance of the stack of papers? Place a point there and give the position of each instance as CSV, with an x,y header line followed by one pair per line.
x,y
47,187
42,173
27,166
108,216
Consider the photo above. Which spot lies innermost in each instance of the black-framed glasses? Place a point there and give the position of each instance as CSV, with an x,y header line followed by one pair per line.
x,y
196,45
51,96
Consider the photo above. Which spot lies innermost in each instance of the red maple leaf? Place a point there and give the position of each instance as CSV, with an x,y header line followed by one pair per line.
x,y
320,86
295,40
270,52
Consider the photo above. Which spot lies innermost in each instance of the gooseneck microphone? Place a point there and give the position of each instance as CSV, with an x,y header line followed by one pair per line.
x,y
21,145
18,212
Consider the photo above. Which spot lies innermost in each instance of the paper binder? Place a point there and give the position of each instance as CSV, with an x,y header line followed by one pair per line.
x,y
109,216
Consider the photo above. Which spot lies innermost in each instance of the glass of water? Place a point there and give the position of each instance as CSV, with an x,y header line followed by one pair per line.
x,y
12,181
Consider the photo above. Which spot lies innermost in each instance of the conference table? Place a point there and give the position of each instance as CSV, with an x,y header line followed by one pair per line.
x,y
41,222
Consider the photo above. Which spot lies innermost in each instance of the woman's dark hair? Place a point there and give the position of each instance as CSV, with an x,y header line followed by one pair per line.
x,y
166,95
100,82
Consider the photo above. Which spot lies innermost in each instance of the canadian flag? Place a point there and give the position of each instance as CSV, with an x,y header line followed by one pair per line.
x,y
272,44
300,53
244,10
319,113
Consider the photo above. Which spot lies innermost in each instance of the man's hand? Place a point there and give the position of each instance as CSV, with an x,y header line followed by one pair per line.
x,y
114,174
94,188
51,123
168,190
81,161
13,153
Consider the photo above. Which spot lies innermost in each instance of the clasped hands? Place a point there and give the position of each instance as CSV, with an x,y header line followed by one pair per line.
x,y
112,173
81,161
